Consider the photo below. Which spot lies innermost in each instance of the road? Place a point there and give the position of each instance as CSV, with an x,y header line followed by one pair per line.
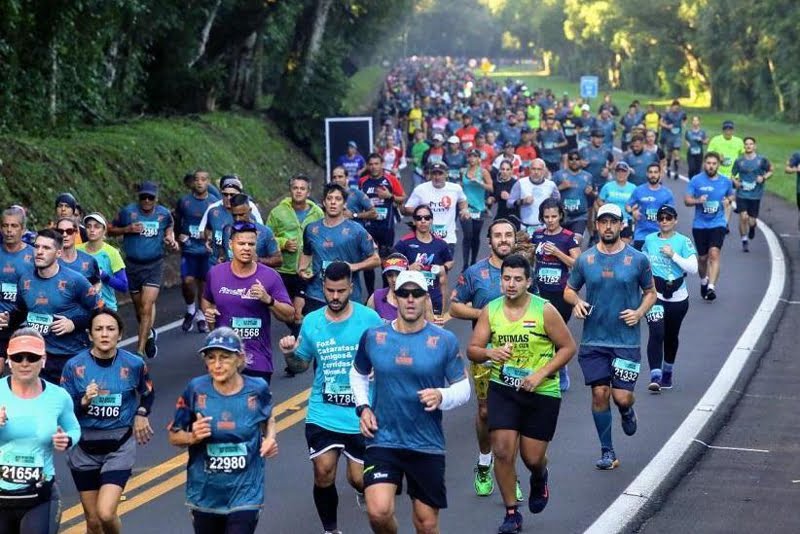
x,y
579,493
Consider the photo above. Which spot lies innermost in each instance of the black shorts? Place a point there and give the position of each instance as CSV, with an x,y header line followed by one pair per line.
x,y
148,274
576,227
294,284
749,205
238,522
626,232
321,440
707,238
384,239
424,473
531,414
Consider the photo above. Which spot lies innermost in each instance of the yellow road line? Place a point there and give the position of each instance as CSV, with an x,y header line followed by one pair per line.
x,y
180,460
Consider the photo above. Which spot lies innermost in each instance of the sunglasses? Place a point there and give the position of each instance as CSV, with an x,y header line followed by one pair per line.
x,y
18,358
147,197
66,231
665,218
423,217
244,226
417,293
229,194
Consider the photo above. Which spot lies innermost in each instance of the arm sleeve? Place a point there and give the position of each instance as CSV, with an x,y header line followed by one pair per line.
x,y
255,213
687,264
204,221
147,394
359,384
513,196
119,281
94,272
361,363
454,396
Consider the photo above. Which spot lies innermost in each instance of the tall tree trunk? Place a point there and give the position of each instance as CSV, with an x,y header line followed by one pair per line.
x,y
53,82
776,85
315,42
201,48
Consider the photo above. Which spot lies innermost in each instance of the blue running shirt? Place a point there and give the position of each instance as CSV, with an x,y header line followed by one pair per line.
x,y
649,201
12,266
711,213
85,265
147,245
189,211
478,285
618,194
574,198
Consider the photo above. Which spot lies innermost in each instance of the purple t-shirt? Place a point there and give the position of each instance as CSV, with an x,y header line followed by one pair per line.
x,y
248,316
386,311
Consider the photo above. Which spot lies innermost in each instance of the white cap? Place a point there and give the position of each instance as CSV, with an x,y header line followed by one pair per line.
x,y
585,107
438,137
453,139
411,277
610,209
96,217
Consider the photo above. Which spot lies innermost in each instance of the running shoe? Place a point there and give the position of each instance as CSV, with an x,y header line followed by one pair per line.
x,y
751,233
518,490
150,346
484,483
655,385
711,294
666,380
202,326
512,523
337,531
745,246
563,378
629,422
188,322
608,460
703,291
540,493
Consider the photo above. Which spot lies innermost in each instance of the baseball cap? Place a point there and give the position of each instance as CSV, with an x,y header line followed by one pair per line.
x,y
437,166
231,181
95,216
586,107
667,209
727,124
68,199
622,166
411,277
453,139
395,262
438,137
610,210
508,144
474,152
148,188
26,345
598,133
222,338
352,144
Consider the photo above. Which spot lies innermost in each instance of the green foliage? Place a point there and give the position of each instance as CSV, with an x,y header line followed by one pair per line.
x,y
363,86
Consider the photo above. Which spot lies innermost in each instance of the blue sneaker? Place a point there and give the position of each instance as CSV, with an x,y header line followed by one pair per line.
x,y
608,460
563,378
540,493
655,381
512,523
629,422
666,380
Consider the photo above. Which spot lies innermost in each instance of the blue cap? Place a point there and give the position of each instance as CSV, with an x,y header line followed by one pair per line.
x,y
727,124
222,338
352,144
148,188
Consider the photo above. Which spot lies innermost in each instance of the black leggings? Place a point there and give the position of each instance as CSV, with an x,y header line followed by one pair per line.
x,y
556,298
471,242
43,518
242,522
665,326
695,162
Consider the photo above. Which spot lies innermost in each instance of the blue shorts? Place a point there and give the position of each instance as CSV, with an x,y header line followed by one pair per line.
x,y
194,266
615,366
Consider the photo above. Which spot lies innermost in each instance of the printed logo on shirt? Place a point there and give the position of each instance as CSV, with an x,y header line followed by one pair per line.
x,y
80,371
41,299
608,273
432,342
8,268
627,260
124,373
200,401
380,338
485,274
252,402
226,421
529,324
327,244
84,265
590,259
345,231
403,358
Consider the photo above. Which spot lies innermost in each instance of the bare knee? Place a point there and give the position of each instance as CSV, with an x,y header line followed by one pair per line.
x,y
600,397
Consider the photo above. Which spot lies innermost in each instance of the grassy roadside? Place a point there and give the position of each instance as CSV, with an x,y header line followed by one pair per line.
x,y
776,140
363,85
101,166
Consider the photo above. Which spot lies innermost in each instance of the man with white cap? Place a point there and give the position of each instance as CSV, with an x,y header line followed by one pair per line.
x,y
417,372
435,153
112,267
455,158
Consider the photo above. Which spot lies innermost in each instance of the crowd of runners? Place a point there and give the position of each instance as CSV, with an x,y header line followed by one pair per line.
x,y
575,227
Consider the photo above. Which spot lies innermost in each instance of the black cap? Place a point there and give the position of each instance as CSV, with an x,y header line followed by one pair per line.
x,y
667,210
437,166
598,133
727,125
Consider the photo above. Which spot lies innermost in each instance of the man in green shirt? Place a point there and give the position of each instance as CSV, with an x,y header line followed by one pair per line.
x,y
418,149
729,147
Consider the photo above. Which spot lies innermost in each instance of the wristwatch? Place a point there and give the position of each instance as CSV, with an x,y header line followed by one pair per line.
x,y
360,409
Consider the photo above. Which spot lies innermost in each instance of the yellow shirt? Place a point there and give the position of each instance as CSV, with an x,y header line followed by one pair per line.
x,y
414,120
651,121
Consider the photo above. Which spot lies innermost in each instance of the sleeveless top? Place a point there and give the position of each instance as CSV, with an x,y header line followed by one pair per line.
x,y
386,311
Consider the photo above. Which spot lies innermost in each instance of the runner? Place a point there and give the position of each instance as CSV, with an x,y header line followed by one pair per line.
x,y
696,139
629,122
596,160
145,228
575,187
644,203
434,154
652,119
729,147
57,303
244,294
353,163
605,123
267,250
650,145
709,192
455,158
639,160
672,123
288,220
749,173
618,192
74,259
609,353
526,149
429,255
358,205
114,394
508,154
555,251
392,155
384,301
16,257
793,165
444,200
334,238
476,287
403,425
234,184
216,219
67,207
112,268
418,149
501,191
529,192
226,421
329,339
189,211
36,419
477,185
527,343
672,256
551,141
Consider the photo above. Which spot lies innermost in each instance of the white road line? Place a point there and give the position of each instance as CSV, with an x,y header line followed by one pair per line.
x,y
721,448
789,301
625,508
166,328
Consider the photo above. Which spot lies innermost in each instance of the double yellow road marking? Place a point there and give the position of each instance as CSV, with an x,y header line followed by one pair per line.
x,y
292,404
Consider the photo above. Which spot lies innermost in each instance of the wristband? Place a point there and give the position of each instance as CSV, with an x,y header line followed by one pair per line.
x,y
142,411
360,409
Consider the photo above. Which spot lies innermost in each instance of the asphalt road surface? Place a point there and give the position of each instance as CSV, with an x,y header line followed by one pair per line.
x,y
154,498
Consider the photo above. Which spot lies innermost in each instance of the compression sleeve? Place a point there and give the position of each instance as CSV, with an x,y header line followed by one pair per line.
x,y
454,396
119,281
360,385
687,264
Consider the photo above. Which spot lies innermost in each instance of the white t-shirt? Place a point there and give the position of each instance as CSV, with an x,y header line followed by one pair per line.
x,y
443,202
529,213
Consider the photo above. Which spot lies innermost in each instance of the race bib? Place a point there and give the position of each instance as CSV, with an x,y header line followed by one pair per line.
x,y
105,406
627,137
382,213
675,130
711,206
439,230
726,162
226,457
246,327
513,376
453,174
569,132
651,214
748,186
474,214
655,314
149,228
549,145
218,237
625,370
194,231
9,291
430,276
41,322
549,275
21,467
338,395
696,150
572,204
